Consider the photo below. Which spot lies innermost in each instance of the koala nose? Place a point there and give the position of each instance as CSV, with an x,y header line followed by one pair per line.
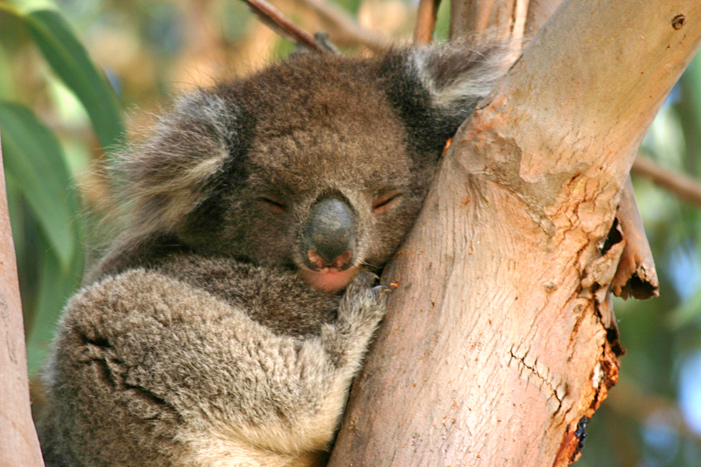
x,y
328,235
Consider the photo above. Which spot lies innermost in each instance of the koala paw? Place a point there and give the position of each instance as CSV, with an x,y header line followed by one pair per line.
x,y
364,302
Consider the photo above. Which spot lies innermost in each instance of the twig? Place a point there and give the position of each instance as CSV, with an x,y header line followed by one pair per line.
x,y
426,21
683,186
279,23
342,28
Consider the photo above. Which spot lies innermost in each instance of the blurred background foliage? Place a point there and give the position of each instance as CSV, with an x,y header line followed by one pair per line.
x,y
74,74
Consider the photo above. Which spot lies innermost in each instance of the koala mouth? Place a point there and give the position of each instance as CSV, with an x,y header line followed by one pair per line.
x,y
328,275
328,279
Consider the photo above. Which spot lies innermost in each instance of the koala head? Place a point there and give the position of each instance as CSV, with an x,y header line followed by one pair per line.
x,y
318,164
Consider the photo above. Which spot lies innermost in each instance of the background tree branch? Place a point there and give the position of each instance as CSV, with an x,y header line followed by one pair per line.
x,y
500,343
343,29
681,185
426,21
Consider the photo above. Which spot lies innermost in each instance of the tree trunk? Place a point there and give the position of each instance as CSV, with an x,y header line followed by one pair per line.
x,y
500,343
19,445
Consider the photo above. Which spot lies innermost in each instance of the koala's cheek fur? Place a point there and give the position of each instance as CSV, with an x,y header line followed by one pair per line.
x,y
224,324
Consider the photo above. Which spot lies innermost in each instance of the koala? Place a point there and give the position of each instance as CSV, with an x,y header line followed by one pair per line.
x,y
225,322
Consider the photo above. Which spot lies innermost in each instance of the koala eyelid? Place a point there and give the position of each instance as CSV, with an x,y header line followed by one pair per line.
x,y
274,204
383,203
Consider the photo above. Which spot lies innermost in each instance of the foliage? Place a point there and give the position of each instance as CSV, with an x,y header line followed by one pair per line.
x,y
60,113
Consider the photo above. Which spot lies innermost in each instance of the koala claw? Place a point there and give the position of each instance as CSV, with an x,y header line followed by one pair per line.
x,y
380,290
366,279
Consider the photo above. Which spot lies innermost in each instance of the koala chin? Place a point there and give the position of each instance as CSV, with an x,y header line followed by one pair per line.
x,y
226,320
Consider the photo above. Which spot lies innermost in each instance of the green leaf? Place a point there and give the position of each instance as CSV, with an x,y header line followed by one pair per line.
x,y
33,157
56,285
71,62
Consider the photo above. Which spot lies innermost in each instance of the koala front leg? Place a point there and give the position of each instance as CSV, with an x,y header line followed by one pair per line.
x,y
361,309
308,379
326,365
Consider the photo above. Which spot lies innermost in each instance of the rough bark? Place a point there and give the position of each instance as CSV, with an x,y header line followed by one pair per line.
x,y
500,343
18,439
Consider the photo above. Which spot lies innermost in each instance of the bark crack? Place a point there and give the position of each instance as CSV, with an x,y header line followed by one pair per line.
x,y
541,371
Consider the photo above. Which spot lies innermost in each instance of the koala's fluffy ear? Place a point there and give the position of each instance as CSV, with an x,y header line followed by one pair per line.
x,y
435,88
181,166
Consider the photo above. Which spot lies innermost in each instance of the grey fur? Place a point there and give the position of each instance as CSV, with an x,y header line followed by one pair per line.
x,y
209,333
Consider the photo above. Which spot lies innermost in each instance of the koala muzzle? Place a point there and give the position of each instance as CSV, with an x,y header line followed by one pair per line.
x,y
328,236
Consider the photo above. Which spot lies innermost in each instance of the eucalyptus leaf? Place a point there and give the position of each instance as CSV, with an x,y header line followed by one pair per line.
x,y
33,157
70,61
56,285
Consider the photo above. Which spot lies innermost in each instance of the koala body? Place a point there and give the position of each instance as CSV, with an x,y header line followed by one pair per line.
x,y
226,322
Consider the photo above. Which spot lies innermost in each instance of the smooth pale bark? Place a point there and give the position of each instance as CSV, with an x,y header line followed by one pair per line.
x,y
19,445
469,17
426,21
500,341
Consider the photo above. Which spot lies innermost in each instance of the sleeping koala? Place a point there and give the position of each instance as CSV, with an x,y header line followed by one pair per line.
x,y
225,323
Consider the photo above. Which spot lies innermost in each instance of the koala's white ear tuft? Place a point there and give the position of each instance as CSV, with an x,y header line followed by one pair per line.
x,y
435,88
175,171
458,75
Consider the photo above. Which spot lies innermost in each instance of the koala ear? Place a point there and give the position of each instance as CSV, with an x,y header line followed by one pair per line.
x,y
182,164
435,88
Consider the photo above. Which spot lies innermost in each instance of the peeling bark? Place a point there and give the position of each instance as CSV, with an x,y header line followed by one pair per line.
x,y
636,275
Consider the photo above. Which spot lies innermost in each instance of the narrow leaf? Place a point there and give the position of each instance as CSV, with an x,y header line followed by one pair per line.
x,y
71,62
34,159
56,285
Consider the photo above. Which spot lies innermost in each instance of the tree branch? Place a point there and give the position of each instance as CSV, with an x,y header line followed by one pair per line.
x,y
538,13
426,21
681,185
504,270
279,23
19,444
476,17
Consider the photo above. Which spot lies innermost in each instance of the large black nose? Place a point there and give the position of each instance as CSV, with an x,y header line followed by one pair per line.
x,y
328,235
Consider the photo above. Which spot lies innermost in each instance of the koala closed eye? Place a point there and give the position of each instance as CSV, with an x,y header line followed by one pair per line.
x,y
385,202
274,204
